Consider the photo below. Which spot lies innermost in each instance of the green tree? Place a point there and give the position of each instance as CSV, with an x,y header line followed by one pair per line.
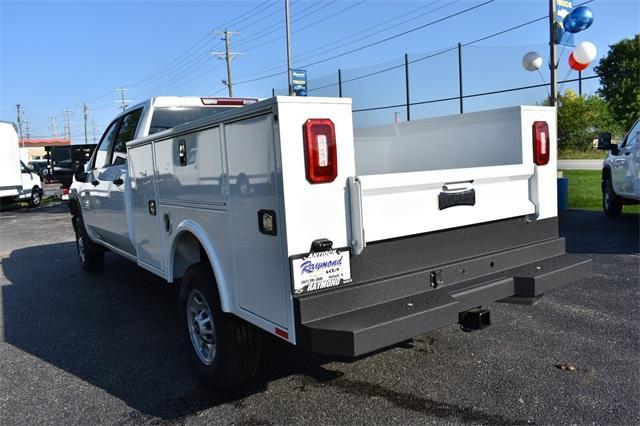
x,y
619,73
581,118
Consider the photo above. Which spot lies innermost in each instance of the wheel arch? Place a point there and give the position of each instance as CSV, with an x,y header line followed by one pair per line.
x,y
191,245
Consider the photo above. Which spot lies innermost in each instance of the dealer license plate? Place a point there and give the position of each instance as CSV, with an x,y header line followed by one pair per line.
x,y
321,270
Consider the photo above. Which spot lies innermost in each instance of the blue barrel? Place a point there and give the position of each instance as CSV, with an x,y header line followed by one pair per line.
x,y
563,193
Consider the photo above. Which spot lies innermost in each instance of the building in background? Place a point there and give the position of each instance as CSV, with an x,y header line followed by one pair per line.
x,y
34,149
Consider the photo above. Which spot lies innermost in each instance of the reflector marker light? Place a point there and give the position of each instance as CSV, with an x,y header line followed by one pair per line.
x,y
540,143
320,153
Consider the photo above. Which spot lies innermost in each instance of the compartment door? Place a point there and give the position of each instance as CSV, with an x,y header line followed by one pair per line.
x,y
256,218
145,207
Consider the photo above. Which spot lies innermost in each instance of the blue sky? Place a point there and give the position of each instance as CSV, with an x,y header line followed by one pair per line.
x,y
57,54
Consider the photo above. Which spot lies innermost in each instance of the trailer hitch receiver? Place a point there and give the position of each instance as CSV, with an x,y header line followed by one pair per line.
x,y
474,319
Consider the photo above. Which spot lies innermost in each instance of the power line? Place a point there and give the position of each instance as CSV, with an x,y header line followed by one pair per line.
x,y
402,33
326,47
177,61
378,41
316,22
316,7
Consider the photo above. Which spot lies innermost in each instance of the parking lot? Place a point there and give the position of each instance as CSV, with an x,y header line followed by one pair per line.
x,y
81,349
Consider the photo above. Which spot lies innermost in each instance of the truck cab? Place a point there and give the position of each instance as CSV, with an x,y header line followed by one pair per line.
x,y
102,187
620,171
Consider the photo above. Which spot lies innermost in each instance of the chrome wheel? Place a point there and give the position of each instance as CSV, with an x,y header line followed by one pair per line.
x,y
35,198
607,198
201,329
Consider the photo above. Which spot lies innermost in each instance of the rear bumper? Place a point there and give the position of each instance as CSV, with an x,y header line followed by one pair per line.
x,y
372,314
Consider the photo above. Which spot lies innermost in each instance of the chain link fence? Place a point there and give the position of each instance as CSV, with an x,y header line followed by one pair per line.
x,y
461,78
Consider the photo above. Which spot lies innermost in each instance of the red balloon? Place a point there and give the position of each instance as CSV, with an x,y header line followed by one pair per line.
x,y
575,64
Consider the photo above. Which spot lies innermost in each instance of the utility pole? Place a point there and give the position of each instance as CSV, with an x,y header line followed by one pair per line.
x,y
28,129
85,114
53,126
68,113
552,52
288,29
93,128
19,118
123,102
228,55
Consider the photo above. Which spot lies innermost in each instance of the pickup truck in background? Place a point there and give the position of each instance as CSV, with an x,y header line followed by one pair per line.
x,y
620,171
17,181
278,216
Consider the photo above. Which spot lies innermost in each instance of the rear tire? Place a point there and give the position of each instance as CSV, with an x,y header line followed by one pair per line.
x,y
224,348
91,255
611,203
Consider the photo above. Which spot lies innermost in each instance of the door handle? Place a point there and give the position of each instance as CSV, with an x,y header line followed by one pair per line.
x,y
95,182
118,181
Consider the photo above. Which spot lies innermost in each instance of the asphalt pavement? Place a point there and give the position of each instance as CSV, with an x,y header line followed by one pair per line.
x,y
106,348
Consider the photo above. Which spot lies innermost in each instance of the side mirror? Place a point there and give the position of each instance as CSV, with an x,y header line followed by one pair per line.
x,y
615,149
80,175
604,141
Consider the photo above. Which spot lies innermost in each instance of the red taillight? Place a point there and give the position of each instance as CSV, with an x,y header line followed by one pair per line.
x,y
65,191
320,154
540,143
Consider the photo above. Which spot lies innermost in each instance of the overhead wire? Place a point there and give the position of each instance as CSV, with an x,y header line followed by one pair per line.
x,y
374,43
310,53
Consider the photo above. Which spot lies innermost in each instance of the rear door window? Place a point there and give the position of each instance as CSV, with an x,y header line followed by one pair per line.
x,y
126,133
102,151
633,135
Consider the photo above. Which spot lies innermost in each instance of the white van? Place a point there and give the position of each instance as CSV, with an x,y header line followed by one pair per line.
x,y
17,181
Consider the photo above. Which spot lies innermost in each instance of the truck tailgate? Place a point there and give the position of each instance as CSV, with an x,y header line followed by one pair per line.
x,y
393,205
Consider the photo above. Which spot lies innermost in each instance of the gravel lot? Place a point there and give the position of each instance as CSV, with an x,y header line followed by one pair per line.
x,y
106,348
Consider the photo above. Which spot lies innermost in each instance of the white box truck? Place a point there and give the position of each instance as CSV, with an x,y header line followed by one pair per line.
x,y
339,242
17,181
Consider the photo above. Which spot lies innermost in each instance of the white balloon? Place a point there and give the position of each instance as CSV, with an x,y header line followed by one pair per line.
x,y
531,61
585,52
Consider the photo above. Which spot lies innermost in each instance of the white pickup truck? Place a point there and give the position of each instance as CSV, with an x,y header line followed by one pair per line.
x,y
337,242
621,171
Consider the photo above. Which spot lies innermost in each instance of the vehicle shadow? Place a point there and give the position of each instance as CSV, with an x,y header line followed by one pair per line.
x,y
592,232
55,207
119,330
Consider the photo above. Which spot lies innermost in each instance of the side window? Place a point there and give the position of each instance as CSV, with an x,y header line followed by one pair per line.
x,y
103,147
126,133
633,135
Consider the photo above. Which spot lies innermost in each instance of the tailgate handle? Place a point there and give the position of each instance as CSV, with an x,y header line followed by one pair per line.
x,y
457,194
357,241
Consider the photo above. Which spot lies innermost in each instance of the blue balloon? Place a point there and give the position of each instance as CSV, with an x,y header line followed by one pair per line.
x,y
578,20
